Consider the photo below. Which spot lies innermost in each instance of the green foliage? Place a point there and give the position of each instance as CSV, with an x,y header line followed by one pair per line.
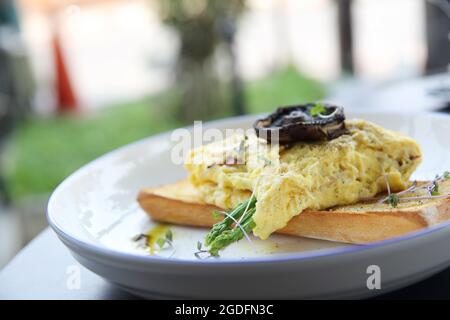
x,y
179,13
44,151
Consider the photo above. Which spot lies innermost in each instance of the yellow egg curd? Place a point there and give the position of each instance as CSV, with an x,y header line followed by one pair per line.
x,y
305,175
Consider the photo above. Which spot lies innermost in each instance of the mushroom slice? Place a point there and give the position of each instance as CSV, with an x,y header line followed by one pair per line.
x,y
309,122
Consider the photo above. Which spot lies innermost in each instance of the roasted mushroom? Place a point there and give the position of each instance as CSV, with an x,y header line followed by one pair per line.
x,y
309,122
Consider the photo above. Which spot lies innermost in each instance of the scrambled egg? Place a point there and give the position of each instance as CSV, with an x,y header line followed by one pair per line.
x,y
316,175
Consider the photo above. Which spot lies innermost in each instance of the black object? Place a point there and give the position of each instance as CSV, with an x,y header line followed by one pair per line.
x,y
345,35
437,32
309,122
435,287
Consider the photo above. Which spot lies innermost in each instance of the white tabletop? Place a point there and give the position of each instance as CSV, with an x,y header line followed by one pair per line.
x,y
42,270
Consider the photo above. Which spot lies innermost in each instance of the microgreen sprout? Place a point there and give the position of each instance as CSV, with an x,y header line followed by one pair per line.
x,y
435,191
201,253
252,196
167,241
241,148
393,200
216,214
141,239
318,109
323,116
267,162
432,189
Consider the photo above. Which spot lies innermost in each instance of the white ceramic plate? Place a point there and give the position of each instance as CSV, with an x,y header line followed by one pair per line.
x,y
95,214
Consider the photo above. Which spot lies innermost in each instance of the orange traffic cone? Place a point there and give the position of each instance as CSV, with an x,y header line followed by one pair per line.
x,y
65,95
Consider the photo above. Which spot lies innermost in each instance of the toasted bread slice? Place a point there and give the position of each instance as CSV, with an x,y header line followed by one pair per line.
x,y
360,223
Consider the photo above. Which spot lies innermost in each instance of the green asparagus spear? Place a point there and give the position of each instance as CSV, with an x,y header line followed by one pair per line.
x,y
227,223
230,236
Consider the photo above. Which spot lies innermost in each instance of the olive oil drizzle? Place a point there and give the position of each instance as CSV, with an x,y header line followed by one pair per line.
x,y
153,235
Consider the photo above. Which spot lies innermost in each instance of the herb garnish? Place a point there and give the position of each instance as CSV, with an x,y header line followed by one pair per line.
x,y
167,240
201,253
320,111
139,237
149,240
267,162
432,189
317,109
235,159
